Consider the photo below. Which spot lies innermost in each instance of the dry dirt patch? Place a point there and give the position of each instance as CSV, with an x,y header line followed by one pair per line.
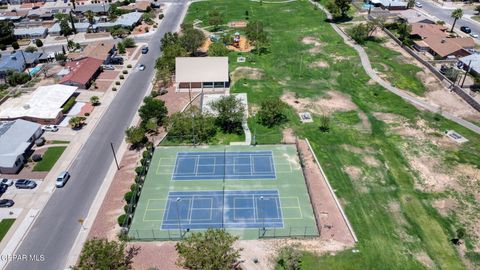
x,y
288,135
371,161
246,73
317,46
445,206
353,172
331,102
364,125
424,259
319,64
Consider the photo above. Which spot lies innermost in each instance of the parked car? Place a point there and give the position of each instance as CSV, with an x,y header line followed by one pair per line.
x,y
141,67
108,67
6,203
6,181
144,50
116,61
418,4
163,91
3,188
52,128
62,179
466,29
474,35
25,184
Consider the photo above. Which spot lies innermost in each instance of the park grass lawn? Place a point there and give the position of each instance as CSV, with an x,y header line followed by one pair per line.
x,y
476,18
5,225
49,159
393,221
59,142
390,63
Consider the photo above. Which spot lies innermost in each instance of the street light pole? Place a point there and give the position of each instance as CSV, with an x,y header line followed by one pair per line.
x,y
263,218
178,217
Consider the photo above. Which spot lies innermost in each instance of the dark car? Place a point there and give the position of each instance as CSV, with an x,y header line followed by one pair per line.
x,y
25,184
3,188
466,29
144,50
6,203
116,61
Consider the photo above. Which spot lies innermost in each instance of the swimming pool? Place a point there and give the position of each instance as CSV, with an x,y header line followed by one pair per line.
x,y
367,6
34,70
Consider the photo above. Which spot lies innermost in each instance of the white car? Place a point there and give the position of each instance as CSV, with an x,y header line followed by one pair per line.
x,y
418,4
474,35
141,67
52,128
6,181
62,179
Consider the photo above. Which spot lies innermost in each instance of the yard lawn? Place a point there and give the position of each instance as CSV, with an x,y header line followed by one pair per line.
x,y
5,225
49,159
393,220
59,142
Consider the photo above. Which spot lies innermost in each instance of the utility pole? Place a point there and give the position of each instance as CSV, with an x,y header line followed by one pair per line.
x,y
466,72
114,156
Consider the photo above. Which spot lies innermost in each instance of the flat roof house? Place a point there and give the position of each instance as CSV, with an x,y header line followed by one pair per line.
x,y
201,73
43,106
30,33
16,139
102,50
128,20
82,72
101,9
390,4
18,61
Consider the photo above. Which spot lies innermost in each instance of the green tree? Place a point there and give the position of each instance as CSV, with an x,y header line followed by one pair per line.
x,y
456,14
169,39
230,113
30,49
153,108
256,35
411,3
15,45
90,16
65,28
121,48
359,33
135,136
404,30
289,258
129,42
167,60
343,6
324,123
217,49
215,18
95,100
76,122
14,78
151,125
192,39
104,254
191,126
210,250
272,112
6,33
38,43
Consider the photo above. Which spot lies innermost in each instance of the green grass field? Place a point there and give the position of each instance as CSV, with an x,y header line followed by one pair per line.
x,y
5,225
296,209
49,159
394,221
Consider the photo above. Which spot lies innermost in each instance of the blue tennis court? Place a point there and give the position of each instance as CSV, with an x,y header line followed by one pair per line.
x,y
213,209
256,165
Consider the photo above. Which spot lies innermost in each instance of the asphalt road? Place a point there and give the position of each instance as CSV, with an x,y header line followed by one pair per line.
x,y
55,230
445,15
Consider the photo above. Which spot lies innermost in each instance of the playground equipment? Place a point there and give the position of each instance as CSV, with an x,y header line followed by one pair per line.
x,y
214,38
236,40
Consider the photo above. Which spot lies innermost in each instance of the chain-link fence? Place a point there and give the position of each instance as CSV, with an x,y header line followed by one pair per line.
x,y
288,232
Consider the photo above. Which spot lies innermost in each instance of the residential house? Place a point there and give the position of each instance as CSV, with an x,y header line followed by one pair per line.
x,y
424,30
40,14
97,9
43,106
471,63
81,27
390,4
128,20
18,61
102,50
82,72
140,6
201,73
16,139
30,33
443,48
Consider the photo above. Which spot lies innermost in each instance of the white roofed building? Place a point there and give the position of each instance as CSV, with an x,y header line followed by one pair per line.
x,y
43,106
201,73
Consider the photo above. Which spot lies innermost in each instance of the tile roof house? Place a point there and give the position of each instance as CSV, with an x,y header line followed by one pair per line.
x,y
16,138
82,72
424,30
102,50
445,47
43,106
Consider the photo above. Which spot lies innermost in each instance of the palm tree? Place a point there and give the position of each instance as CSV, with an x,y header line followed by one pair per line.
x,y
410,3
90,16
456,14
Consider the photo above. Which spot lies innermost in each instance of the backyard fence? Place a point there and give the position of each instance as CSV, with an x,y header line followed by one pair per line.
x,y
302,232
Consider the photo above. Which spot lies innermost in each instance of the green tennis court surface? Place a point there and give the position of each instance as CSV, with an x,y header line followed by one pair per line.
x,y
251,191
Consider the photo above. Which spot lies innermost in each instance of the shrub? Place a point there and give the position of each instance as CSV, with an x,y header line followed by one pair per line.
x,y
149,145
129,66
87,114
121,77
161,16
133,187
145,154
127,207
68,105
123,220
36,157
128,196
117,83
114,89
125,72
15,78
138,179
15,45
139,170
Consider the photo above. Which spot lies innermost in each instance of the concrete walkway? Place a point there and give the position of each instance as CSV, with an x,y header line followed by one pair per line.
x,y
411,99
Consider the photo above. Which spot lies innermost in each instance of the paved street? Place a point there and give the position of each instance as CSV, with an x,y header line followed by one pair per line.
x,y
53,233
445,15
